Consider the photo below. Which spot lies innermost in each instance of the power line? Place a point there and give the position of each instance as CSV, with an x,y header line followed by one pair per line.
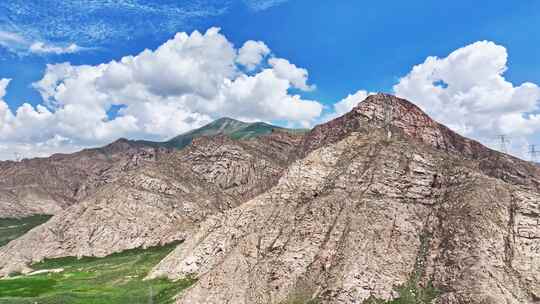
x,y
503,140
533,153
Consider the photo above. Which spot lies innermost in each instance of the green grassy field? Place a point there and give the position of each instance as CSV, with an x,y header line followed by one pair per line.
x,y
11,228
117,278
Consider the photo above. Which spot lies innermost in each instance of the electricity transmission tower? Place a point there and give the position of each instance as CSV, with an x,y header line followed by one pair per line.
x,y
503,140
534,153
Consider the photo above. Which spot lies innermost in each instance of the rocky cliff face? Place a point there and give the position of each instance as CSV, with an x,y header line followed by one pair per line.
x,y
360,214
412,122
158,203
49,185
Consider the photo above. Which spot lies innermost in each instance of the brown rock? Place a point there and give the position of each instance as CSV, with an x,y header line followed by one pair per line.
x,y
49,185
158,203
361,214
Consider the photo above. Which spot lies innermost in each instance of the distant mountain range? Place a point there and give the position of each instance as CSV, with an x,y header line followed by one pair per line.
x,y
224,126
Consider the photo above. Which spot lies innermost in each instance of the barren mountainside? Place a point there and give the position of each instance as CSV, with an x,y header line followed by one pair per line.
x,y
158,203
366,218
342,214
49,185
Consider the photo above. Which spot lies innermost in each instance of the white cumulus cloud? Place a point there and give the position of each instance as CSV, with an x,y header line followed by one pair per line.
x,y
468,92
188,81
252,53
296,76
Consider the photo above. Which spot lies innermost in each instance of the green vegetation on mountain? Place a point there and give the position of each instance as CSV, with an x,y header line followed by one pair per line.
x,y
118,278
411,292
224,126
261,128
12,228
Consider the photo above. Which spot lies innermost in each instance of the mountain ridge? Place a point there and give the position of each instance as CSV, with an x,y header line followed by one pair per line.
x,y
236,129
48,185
360,214
343,214
410,120
157,202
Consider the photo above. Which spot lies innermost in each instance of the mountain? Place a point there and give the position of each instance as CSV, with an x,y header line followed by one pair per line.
x,y
224,126
49,185
413,123
363,218
357,210
157,203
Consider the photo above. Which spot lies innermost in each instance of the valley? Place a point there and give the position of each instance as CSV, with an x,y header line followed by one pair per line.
x,y
118,278
12,228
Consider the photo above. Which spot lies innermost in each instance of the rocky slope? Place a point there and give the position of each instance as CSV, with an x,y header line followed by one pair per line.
x,y
161,202
412,122
360,214
49,185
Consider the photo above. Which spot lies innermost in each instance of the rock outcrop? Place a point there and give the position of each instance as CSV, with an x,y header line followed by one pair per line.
x,y
410,121
359,214
49,185
158,203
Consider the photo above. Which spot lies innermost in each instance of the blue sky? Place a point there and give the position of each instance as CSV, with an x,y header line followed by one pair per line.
x,y
343,46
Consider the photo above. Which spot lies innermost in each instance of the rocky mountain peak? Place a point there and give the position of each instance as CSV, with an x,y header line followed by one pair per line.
x,y
412,121
359,218
404,117
119,145
409,120
373,107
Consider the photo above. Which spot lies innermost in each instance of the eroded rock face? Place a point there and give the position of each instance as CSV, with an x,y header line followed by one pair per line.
x,y
359,214
158,203
49,185
358,217
411,121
